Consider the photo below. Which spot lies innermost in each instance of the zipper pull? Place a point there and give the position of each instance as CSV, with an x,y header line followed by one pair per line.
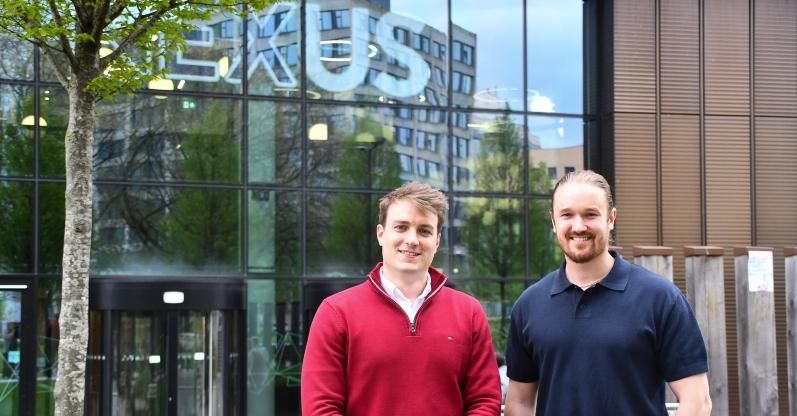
x,y
412,327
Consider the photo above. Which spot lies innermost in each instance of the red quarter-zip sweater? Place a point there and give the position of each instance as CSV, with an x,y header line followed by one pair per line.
x,y
365,358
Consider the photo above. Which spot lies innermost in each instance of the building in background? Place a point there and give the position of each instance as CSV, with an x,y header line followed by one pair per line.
x,y
231,197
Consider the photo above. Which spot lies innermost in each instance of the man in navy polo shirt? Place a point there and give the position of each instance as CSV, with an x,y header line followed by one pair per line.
x,y
601,336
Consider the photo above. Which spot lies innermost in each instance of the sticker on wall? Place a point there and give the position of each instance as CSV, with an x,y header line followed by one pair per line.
x,y
759,271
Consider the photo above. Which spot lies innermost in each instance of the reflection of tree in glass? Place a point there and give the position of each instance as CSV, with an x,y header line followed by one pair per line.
x,y
493,229
16,59
16,200
351,221
202,226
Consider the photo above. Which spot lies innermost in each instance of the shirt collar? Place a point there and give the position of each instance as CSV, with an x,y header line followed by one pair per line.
x,y
617,279
394,291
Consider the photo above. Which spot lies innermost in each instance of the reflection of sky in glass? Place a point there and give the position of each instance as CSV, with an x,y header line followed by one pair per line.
x,y
556,132
555,52
499,51
431,12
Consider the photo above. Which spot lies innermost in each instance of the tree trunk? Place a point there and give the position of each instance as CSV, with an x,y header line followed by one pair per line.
x,y
71,380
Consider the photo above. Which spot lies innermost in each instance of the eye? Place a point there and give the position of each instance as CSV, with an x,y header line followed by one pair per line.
x,y
400,227
426,232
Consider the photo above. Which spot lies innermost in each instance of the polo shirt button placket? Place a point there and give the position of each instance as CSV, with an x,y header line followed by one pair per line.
x,y
582,311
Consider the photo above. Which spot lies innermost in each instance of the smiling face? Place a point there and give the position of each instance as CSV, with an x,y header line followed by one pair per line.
x,y
409,240
582,221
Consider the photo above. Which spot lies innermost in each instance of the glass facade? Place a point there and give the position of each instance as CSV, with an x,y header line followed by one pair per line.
x,y
261,159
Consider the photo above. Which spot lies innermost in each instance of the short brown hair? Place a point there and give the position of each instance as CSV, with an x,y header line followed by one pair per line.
x,y
423,196
588,177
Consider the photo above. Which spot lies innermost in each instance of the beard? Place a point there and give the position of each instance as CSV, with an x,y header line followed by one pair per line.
x,y
592,248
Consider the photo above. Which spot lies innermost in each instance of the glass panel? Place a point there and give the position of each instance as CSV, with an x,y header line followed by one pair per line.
x,y
11,346
555,56
275,232
489,152
152,139
544,255
341,234
48,308
275,146
556,147
377,148
16,227
51,227
55,112
488,237
197,362
487,54
211,61
275,339
273,52
140,386
16,58
153,230
384,53
497,298
17,124
175,138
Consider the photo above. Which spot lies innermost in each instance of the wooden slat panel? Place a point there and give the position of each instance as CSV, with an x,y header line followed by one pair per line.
x,y
776,199
727,52
680,56
680,170
775,57
635,56
728,214
635,179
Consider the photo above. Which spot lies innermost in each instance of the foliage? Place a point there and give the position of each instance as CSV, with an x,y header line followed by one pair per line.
x,y
362,164
123,41
493,233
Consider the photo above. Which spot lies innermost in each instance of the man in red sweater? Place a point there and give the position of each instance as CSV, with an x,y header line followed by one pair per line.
x,y
401,343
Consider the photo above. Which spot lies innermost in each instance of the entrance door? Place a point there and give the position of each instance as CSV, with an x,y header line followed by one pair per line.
x,y
16,348
174,362
170,359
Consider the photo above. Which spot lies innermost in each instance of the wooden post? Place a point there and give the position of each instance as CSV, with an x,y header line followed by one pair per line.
x,y
658,260
705,290
755,329
790,257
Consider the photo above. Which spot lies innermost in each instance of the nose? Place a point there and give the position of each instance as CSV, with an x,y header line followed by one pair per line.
x,y
411,237
578,224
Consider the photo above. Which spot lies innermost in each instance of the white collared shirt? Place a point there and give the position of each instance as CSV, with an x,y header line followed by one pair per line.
x,y
410,308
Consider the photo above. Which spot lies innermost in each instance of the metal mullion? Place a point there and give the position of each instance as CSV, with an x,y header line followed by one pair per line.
x,y
171,360
526,152
245,143
27,373
107,361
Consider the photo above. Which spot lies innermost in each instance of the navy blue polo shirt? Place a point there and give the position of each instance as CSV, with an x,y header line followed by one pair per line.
x,y
605,351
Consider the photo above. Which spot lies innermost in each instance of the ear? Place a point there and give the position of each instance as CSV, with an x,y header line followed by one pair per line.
x,y
553,223
612,218
437,244
380,231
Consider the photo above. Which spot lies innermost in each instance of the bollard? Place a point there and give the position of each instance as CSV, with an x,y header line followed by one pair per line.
x,y
658,260
705,290
654,258
790,258
755,326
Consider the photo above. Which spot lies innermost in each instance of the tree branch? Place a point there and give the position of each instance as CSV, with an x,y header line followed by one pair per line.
x,y
48,55
66,49
99,21
143,23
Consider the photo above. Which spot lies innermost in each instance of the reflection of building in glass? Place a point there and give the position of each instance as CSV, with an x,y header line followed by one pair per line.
x,y
231,174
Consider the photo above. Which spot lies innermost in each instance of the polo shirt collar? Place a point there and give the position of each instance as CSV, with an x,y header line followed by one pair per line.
x,y
617,279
